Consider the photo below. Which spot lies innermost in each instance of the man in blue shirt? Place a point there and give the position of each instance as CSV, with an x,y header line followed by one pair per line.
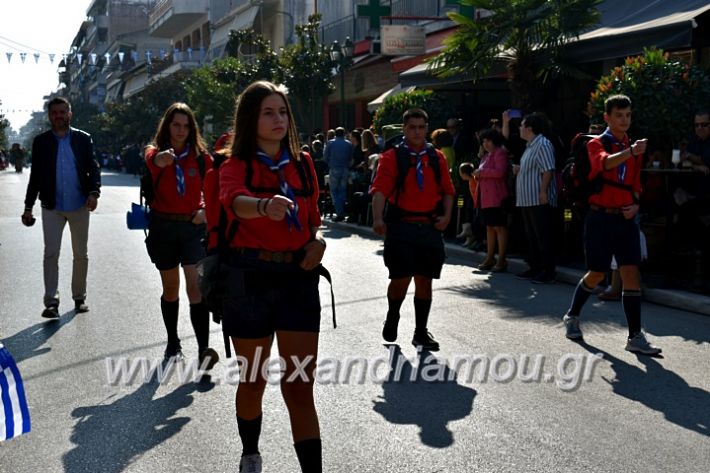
x,y
338,155
66,177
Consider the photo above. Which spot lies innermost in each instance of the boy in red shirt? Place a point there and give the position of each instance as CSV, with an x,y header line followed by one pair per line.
x,y
412,224
610,228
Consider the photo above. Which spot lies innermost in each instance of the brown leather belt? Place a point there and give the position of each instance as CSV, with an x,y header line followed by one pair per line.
x,y
268,256
172,217
424,220
608,210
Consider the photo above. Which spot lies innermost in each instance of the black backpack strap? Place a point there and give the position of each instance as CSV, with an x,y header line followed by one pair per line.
x,y
201,165
322,271
434,162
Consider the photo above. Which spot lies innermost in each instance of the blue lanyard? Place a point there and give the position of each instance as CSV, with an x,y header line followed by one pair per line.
x,y
179,174
286,191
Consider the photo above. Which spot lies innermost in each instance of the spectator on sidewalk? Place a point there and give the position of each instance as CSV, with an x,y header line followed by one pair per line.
x,y
338,155
610,227
492,190
67,179
419,195
536,195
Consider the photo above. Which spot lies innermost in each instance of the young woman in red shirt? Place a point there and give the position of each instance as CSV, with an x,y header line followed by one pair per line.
x,y
270,190
177,223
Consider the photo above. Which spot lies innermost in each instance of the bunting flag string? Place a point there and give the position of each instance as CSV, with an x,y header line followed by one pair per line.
x,y
150,56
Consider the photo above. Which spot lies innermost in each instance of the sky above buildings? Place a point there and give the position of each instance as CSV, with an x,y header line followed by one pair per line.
x,y
33,27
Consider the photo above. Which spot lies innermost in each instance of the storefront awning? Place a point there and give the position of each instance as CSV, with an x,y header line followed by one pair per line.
x,y
377,103
628,27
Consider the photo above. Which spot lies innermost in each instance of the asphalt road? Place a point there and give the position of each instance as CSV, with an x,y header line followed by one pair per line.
x,y
632,413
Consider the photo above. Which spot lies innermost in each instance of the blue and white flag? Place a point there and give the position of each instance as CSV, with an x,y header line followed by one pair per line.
x,y
14,413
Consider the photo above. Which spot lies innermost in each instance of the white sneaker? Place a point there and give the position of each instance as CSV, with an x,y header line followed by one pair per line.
x,y
250,463
639,344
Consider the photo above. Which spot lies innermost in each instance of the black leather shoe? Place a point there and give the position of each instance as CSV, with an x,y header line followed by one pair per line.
x,y
51,312
80,307
211,355
173,351
426,341
389,331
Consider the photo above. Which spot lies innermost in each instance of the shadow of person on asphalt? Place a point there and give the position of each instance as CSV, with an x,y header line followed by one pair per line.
x,y
26,343
522,300
427,395
109,437
659,389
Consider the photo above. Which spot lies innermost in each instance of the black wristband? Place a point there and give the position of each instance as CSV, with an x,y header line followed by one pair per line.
x,y
259,210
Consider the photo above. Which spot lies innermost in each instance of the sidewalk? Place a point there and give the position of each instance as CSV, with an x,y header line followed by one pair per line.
x,y
670,298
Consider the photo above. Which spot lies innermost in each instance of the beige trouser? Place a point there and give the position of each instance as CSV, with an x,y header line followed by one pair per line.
x,y
53,223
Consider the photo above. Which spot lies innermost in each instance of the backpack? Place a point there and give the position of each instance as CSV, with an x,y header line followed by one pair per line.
x,y
576,185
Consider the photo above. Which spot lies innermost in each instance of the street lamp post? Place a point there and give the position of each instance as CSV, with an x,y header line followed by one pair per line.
x,y
341,55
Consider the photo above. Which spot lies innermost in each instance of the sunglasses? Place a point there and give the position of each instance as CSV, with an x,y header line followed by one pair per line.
x,y
702,125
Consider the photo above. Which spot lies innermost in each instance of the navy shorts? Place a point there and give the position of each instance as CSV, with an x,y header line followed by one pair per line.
x,y
413,249
171,243
262,300
607,235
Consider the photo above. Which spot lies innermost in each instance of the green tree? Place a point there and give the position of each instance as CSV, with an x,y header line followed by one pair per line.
x,y
436,106
527,35
212,89
308,73
664,94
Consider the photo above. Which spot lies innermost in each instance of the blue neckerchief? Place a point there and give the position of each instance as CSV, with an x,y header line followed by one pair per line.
x,y
278,168
179,174
420,164
621,168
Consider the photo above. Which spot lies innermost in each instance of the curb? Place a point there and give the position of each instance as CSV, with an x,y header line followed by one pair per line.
x,y
675,299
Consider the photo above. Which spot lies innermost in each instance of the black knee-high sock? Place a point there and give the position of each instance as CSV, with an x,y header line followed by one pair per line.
x,y
249,432
581,294
421,314
200,318
309,453
394,305
170,318
631,300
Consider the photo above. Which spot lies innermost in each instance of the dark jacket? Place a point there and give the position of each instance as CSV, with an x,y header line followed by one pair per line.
x,y
43,174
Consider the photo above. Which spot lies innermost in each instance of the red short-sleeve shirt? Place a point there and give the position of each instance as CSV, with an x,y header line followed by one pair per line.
x,y
167,198
262,232
610,196
412,199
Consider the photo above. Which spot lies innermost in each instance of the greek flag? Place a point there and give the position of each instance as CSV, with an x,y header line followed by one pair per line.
x,y
14,414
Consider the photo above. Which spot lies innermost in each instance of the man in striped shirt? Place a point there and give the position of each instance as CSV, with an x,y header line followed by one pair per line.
x,y
536,195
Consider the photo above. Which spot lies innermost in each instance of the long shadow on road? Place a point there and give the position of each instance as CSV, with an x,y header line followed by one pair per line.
x,y
26,343
109,437
660,390
520,299
426,395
